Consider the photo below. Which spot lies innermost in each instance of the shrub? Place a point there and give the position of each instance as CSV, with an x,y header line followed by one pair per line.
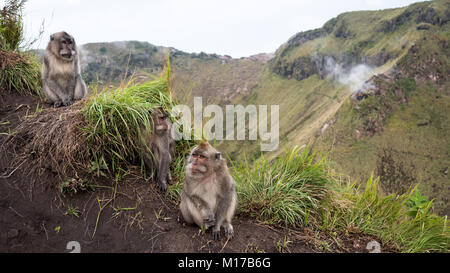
x,y
19,72
11,26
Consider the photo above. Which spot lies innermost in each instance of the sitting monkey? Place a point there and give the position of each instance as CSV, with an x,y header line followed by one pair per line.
x,y
61,80
208,198
158,147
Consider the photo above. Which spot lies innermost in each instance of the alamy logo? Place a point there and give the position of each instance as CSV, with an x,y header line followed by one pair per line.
x,y
235,117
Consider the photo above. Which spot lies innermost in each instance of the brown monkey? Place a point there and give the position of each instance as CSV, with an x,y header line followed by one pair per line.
x,y
209,197
61,79
158,147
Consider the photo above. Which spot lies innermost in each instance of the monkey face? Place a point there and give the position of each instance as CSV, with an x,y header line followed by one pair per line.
x,y
160,120
64,45
198,161
203,159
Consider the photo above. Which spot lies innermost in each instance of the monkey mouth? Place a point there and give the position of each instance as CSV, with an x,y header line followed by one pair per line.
x,y
67,54
198,170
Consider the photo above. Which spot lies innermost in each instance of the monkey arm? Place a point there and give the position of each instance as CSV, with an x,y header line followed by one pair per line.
x,y
80,88
204,209
198,202
224,202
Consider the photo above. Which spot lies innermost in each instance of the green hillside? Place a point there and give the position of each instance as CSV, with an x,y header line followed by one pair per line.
x,y
206,75
400,131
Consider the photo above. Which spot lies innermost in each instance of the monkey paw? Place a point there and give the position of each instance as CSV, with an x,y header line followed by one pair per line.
x,y
169,179
229,232
67,103
162,186
209,221
216,234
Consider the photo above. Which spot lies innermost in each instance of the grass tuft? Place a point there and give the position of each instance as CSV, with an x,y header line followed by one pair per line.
x,y
388,218
286,191
115,117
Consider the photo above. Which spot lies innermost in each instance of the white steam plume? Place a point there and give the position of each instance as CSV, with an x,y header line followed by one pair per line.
x,y
355,78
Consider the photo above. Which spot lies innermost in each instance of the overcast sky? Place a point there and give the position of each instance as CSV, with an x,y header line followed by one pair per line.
x,y
234,27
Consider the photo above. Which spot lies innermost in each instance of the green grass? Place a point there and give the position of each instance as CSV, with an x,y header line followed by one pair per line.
x,y
22,76
387,217
286,191
297,190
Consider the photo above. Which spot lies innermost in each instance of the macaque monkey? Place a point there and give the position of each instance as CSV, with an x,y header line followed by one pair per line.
x,y
61,79
158,147
209,197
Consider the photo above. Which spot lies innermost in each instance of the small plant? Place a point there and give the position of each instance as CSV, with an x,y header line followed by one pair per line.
x,y
98,166
72,211
158,215
417,203
72,185
282,245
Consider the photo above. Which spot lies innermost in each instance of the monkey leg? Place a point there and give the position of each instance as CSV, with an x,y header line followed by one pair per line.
x,y
56,94
190,212
224,215
228,228
51,95
221,219
162,174
195,210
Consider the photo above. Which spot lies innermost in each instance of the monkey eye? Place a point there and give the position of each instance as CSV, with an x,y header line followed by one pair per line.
x,y
202,156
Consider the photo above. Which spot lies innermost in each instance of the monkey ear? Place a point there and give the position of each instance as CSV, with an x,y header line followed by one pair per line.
x,y
218,156
52,37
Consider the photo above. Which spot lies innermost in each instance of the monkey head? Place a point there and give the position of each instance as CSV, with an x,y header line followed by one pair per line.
x,y
203,160
63,46
160,121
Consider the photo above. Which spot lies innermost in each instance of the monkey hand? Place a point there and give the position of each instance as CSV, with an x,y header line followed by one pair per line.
x,y
209,220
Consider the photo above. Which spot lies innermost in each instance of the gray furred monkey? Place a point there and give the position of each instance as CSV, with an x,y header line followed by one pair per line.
x,y
158,147
61,78
209,197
